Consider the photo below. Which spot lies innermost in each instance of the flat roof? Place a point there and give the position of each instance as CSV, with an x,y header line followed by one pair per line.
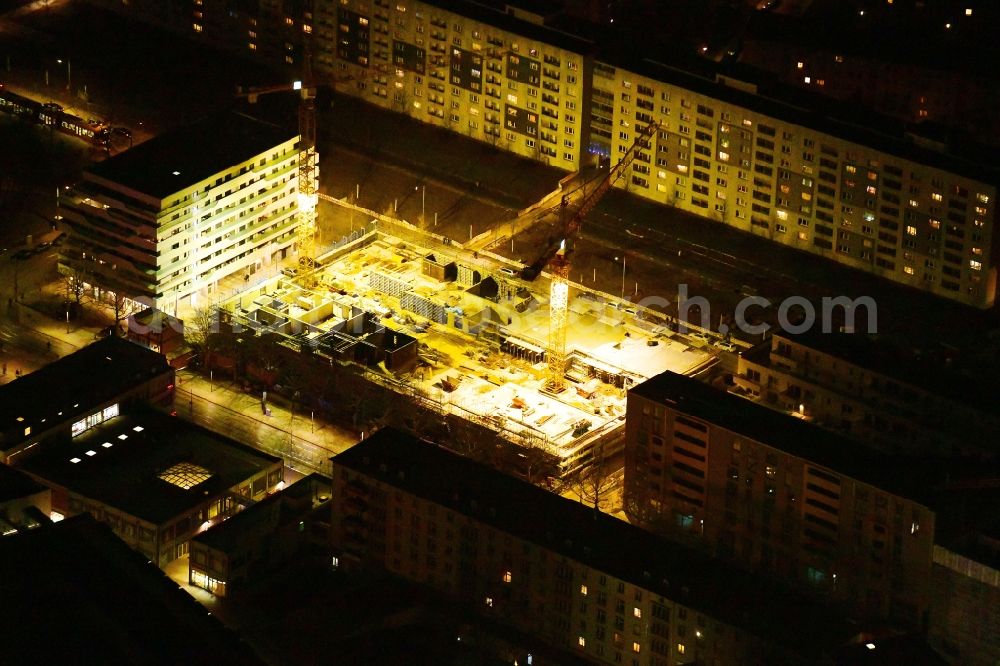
x,y
269,513
127,474
921,480
596,540
68,385
16,485
498,17
885,357
842,120
182,157
81,595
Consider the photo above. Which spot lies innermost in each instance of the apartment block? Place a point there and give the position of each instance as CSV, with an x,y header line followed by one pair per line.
x,y
869,197
863,388
164,222
495,75
779,496
859,190
583,582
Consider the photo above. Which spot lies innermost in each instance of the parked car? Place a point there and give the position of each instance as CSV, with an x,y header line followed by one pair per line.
x,y
725,345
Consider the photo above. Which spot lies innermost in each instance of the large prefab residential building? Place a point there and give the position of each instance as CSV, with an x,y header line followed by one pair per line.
x,y
860,192
803,171
164,222
586,584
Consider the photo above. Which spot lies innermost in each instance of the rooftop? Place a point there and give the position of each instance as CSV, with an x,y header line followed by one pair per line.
x,y
268,514
65,389
122,463
595,539
16,485
923,480
81,595
498,17
186,156
886,358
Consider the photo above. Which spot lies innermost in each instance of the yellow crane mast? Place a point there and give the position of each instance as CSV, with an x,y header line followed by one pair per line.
x,y
557,259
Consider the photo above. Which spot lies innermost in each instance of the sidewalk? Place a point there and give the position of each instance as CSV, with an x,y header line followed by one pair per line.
x,y
298,437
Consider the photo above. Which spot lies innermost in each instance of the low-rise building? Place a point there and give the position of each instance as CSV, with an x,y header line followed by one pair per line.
x,y
156,330
24,503
156,480
866,388
67,397
262,536
164,222
584,582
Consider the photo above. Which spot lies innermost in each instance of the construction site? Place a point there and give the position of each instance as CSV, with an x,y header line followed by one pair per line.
x,y
461,332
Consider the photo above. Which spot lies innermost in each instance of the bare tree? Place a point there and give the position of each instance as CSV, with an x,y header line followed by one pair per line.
x,y
123,307
200,327
593,483
75,285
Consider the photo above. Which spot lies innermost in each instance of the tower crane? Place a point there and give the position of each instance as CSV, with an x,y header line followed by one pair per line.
x,y
556,258
308,176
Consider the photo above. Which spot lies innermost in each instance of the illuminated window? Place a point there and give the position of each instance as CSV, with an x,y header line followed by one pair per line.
x,y
975,265
983,199
583,590
911,231
636,647
506,576
289,21
489,601
680,648
914,203
27,431
74,460
908,270
186,475
110,412
197,27
636,612
581,641
936,196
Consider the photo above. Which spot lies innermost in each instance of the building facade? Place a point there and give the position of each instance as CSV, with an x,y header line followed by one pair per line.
x,y
776,495
62,400
584,582
857,191
163,222
862,198
497,76
155,481
850,385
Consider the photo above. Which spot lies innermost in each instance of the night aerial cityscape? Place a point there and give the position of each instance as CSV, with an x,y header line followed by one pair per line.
x,y
499,332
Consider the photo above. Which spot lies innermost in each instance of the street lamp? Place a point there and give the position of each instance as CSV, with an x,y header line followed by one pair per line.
x,y
69,73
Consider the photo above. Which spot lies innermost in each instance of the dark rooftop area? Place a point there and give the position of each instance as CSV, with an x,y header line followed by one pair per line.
x,y
126,474
74,594
178,159
68,385
269,513
899,32
15,484
595,539
495,14
926,371
923,480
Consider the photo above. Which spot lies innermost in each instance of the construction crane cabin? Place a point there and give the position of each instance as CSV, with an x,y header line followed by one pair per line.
x,y
556,258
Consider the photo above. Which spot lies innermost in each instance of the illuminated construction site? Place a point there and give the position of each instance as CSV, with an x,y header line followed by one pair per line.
x,y
463,333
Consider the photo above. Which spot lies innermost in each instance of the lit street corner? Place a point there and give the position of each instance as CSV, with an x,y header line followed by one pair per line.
x,y
304,441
